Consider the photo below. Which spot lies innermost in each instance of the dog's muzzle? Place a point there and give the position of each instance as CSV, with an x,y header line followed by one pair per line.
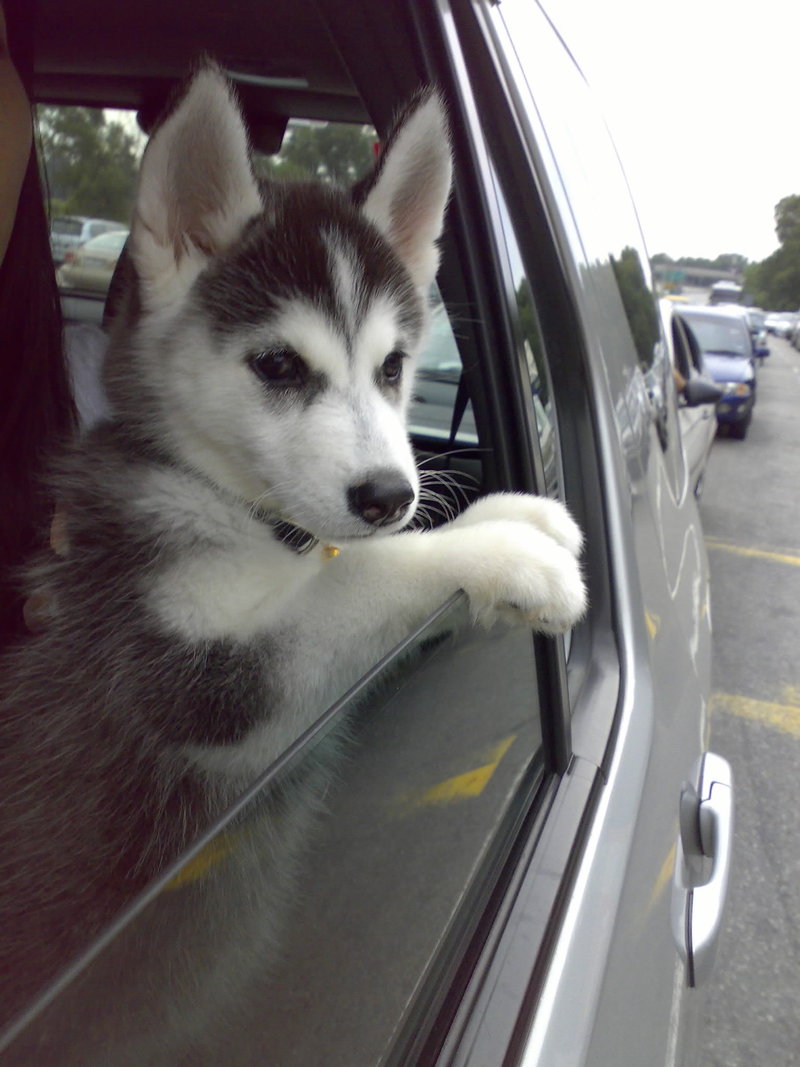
x,y
381,499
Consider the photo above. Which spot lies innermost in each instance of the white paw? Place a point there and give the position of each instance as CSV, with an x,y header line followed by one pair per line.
x,y
549,516
519,573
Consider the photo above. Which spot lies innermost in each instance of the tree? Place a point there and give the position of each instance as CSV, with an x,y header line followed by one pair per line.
x,y
638,302
91,163
331,151
775,282
787,218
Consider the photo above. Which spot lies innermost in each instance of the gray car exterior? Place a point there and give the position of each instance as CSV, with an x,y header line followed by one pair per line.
x,y
525,859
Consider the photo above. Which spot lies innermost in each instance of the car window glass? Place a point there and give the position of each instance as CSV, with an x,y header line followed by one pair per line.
x,y
91,158
329,904
543,407
438,410
368,858
716,335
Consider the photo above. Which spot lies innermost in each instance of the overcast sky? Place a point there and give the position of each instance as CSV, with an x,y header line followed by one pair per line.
x,y
702,98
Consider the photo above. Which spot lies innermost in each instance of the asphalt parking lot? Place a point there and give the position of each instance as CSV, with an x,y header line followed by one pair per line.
x,y
751,516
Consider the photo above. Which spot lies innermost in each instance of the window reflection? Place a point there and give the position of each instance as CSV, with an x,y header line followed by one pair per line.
x,y
640,308
320,906
544,412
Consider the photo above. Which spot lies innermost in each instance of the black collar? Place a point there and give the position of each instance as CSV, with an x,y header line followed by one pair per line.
x,y
294,537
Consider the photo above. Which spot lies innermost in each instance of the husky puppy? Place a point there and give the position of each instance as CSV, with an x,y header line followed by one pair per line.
x,y
237,553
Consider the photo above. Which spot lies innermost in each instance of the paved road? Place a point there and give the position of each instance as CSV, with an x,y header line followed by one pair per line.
x,y
751,516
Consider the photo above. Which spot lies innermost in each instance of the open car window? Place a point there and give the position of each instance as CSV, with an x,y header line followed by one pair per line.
x,y
333,898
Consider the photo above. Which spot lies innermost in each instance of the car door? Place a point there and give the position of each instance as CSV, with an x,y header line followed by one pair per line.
x,y
698,421
617,991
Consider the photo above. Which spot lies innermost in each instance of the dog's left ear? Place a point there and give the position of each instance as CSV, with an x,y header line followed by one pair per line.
x,y
196,189
407,195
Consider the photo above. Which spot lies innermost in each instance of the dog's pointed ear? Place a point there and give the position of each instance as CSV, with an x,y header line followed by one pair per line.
x,y
196,189
407,195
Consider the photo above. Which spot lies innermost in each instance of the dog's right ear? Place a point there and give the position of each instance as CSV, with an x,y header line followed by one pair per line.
x,y
407,194
196,189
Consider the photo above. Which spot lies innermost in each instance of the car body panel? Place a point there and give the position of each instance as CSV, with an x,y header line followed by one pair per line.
x,y
661,727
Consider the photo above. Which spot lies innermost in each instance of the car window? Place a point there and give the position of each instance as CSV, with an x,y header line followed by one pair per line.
x,y
542,400
440,409
351,878
68,227
720,335
329,900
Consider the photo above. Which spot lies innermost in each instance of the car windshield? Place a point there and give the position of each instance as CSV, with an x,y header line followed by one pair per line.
x,y
723,336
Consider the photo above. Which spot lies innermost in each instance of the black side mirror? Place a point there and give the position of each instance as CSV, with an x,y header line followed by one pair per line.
x,y
698,391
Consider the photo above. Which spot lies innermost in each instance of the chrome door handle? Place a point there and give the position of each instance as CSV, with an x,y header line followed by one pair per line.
x,y
705,846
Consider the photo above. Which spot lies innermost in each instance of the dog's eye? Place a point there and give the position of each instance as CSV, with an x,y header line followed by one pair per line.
x,y
280,366
392,369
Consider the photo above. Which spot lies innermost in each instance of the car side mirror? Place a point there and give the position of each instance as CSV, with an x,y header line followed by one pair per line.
x,y
698,391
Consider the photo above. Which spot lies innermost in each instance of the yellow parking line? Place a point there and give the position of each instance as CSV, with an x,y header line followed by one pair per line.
x,y
470,784
755,553
783,717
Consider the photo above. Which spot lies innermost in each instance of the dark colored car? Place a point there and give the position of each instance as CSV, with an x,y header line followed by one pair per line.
x,y
725,340
524,857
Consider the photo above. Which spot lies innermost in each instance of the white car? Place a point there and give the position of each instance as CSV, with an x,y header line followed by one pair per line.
x,y
68,232
697,395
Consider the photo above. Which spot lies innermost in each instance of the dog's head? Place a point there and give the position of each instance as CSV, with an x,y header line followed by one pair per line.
x,y
276,327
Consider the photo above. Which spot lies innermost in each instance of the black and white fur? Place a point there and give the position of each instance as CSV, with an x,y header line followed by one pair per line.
x,y
258,373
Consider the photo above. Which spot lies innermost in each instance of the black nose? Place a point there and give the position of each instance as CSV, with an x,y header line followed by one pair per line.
x,y
381,499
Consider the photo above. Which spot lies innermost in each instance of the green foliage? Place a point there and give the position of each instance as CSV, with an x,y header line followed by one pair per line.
x,y
638,302
787,218
729,261
331,151
775,282
90,162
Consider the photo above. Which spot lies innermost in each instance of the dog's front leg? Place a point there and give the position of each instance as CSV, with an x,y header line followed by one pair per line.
x,y
369,597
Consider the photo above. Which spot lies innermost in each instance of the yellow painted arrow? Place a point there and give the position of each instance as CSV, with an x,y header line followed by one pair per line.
x,y
470,784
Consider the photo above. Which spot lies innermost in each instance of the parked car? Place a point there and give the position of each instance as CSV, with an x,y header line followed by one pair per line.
x,y
91,266
508,867
778,324
724,338
756,321
697,395
71,231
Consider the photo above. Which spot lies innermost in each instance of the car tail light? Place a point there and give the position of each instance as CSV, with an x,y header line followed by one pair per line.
x,y
69,256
